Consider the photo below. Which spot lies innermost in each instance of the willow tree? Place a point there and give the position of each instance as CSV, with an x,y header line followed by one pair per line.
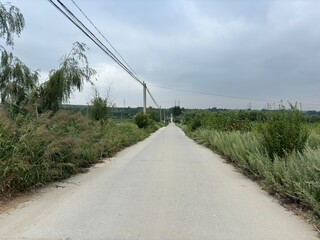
x,y
71,75
16,79
11,22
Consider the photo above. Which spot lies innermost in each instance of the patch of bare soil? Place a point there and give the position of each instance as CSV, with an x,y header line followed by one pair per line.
x,y
12,201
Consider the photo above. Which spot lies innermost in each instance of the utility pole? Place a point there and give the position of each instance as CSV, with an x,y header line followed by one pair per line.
x,y
160,113
144,97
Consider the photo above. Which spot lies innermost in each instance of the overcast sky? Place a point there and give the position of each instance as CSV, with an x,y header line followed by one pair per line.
x,y
239,51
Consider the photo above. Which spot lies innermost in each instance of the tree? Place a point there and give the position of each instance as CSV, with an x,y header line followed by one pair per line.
x,y
16,79
74,70
176,111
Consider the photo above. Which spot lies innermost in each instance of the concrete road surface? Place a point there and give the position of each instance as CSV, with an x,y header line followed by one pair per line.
x,y
166,187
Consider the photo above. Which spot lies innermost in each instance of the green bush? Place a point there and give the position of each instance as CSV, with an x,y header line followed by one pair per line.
x,y
142,120
284,132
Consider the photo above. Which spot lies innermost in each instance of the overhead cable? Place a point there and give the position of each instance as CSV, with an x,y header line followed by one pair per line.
x,y
67,13
113,56
225,96
211,94
77,6
152,98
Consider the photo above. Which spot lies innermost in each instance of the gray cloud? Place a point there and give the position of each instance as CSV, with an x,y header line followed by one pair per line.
x,y
265,49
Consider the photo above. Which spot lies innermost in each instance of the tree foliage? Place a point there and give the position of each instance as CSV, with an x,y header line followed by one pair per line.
x,y
16,79
74,70
176,111
11,22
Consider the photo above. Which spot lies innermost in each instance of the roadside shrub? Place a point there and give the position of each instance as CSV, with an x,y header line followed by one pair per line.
x,y
142,120
284,132
99,109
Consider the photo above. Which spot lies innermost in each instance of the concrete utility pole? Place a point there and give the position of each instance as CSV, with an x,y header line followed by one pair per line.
x,y
144,98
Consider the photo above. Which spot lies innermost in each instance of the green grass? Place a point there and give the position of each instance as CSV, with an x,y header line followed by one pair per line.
x,y
36,151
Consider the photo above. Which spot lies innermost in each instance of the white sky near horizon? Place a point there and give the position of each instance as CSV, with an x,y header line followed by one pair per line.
x,y
237,51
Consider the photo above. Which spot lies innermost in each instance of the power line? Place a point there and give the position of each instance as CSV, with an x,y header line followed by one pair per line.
x,y
113,56
68,13
152,98
210,94
77,6
225,96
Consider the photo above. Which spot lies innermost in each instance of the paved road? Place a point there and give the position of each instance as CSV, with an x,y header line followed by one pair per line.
x,y
166,187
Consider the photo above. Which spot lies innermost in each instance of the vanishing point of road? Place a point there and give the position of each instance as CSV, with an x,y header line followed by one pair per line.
x,y
166,187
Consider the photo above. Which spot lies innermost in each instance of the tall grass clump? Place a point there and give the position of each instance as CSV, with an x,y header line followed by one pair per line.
x,y
239,148
297,179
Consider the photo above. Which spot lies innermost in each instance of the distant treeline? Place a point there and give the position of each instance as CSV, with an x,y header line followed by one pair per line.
x,y
130,112
177,112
